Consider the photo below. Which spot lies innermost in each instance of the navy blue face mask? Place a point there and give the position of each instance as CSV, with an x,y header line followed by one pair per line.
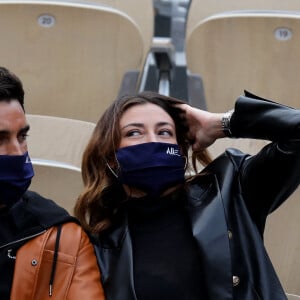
x,y
151,167
16,172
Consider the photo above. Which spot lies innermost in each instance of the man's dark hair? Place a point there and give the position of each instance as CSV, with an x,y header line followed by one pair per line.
x,y
11,87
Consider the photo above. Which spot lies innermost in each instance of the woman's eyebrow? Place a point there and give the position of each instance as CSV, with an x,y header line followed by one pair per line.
x,y
140,125
165,123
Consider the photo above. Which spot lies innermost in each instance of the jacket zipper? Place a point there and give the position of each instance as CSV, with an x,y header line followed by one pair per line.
x,y
23,239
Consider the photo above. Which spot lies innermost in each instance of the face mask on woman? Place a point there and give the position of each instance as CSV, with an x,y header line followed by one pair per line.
x,y
16,172
151,167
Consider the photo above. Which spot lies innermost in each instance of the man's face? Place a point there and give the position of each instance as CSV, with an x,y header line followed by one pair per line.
x,y
13,128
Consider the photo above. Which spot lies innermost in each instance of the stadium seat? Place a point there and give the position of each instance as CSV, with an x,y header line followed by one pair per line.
x,y
292,297
55,147
202,9
250,146
161,58
71,56
283,242
140,11
58,182
256,51
142,14
57,139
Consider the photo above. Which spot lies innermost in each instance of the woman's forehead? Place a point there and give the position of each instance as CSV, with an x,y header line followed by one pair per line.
x,y
145,112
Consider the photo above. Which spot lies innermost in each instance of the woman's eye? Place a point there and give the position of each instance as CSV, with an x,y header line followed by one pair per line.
x,y
133,133
166,132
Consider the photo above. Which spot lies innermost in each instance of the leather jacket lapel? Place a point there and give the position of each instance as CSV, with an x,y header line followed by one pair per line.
x,y
209,226
116,263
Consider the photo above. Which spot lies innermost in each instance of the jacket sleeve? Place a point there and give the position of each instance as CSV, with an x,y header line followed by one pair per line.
x,y
259,118
270,176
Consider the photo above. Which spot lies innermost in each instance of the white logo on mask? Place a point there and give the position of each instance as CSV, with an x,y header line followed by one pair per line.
x,y
173,151
28,161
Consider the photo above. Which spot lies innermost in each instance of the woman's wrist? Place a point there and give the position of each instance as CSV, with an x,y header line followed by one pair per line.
x,y
220,124
216,126
225,123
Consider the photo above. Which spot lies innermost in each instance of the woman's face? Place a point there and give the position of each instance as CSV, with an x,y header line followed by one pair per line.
x,y
144,123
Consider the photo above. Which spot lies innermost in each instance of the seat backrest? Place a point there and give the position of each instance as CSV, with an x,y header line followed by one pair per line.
x,y
250,146
292,297
71,56
255,51
57,182
56,146
59,140
202,9
141,12
283,243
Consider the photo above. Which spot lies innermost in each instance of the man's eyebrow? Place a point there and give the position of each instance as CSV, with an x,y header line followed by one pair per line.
x,y
24,129
4,132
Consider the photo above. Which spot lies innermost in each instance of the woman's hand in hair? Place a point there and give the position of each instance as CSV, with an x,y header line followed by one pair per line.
x,y
204,127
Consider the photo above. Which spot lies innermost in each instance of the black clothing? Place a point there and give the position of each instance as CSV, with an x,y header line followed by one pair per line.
x,y
227,206
28,218
163,247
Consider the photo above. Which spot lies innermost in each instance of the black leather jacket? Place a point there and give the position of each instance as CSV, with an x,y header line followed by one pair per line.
x,y
228,206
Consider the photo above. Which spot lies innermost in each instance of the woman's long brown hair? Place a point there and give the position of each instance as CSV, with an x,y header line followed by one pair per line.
x,y
98,204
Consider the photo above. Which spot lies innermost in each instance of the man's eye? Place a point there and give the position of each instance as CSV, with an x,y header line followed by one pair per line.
x,y
3,139
23,137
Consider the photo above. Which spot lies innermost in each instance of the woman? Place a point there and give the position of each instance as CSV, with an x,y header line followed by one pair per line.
x,y
163,235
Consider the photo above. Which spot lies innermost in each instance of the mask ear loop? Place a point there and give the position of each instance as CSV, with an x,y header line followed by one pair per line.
x,y
186,162
111,170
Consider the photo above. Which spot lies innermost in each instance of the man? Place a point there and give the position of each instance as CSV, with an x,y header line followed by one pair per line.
x,y
44,253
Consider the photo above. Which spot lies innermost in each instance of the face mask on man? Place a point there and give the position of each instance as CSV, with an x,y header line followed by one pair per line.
x,y
16,172
151,167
